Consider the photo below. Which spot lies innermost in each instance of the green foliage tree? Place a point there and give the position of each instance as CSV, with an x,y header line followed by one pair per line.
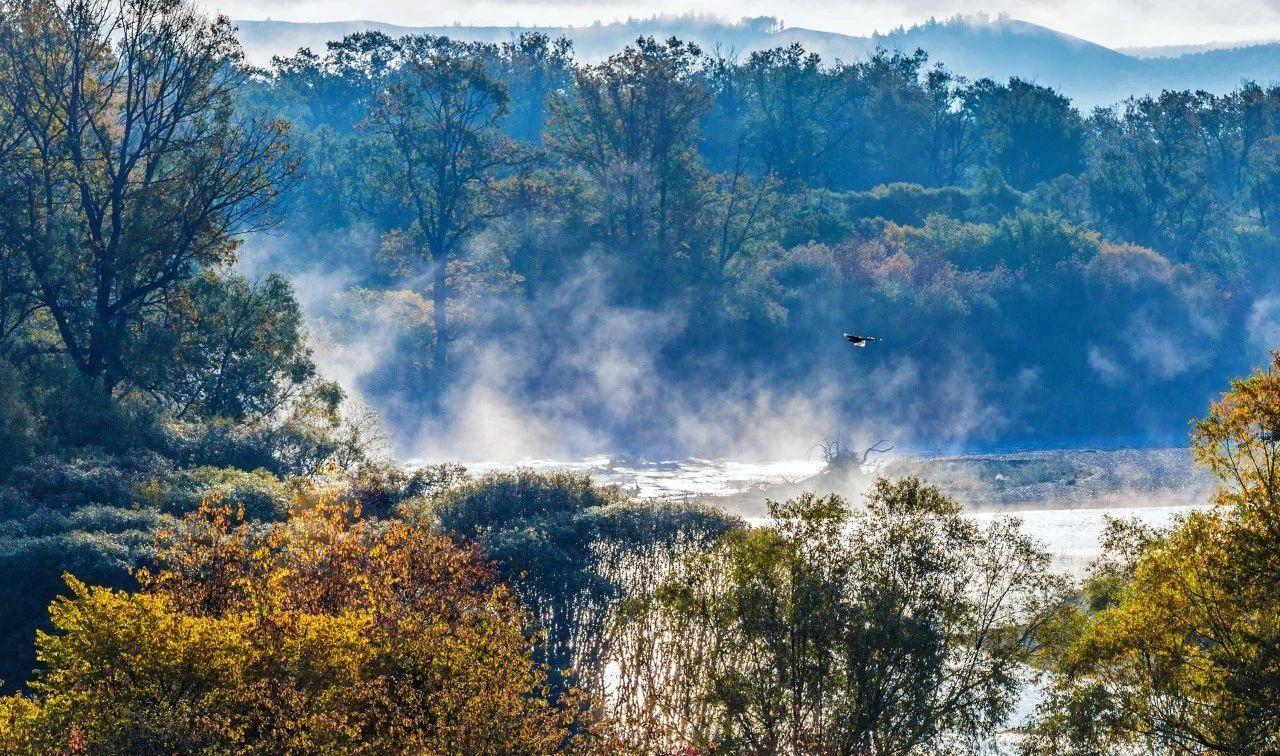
x,y
442,111
573,551
631,126
788,86
1264,181
533,67
953,138
1030,132
1149,176
244,355
133,173
899,628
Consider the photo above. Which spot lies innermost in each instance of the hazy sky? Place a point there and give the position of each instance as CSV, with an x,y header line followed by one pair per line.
x,y
1109,22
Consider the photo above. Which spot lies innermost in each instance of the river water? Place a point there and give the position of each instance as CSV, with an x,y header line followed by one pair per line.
x,y
1070,533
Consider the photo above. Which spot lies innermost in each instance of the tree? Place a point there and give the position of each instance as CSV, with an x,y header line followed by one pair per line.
x,y
443,112
341,88
134,174
631,125
244,355
952,139
533,67
789,95
1181,655
895,629
886,136
324,633
1149,176
574,552
1263,181
18,301
1030,132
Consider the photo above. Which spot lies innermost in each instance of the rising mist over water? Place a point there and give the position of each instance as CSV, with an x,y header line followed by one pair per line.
x,y
1017,308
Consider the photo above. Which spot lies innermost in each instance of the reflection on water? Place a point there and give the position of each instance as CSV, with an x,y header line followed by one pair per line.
x,y
1071,534
690,478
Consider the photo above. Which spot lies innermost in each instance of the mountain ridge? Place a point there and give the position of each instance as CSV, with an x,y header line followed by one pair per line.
x,y
1090,73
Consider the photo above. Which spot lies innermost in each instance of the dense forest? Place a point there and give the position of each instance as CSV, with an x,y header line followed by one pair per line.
x,y
207,547
677,240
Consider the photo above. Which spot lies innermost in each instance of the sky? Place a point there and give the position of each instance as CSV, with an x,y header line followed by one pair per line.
x,y
1114,23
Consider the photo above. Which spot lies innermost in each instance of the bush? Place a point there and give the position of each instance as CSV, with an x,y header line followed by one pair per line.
x,y
324,633
95,514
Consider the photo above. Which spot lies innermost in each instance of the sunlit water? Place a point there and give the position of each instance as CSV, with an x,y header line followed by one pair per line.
x,y
690,478
1071,535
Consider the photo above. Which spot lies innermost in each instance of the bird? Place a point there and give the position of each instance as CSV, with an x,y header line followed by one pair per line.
x,y
859,341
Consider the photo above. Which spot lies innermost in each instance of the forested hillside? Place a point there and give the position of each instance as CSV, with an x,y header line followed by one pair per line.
x,y
975,46
704,229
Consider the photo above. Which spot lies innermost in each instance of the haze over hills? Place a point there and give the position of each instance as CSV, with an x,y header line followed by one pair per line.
x,y
1089,73
1173,51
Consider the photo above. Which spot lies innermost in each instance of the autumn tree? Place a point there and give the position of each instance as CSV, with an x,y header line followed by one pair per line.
x,y
324,633
1180,655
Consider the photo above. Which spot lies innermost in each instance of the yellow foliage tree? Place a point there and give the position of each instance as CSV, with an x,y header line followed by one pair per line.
x,y
1184,657
322,634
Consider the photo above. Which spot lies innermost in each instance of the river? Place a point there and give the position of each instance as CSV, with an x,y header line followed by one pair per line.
x,y
1070,531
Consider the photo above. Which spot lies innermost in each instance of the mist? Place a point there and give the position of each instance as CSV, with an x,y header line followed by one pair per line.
x,y
1170,22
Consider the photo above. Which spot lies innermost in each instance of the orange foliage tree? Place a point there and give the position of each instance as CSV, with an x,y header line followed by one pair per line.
x,y
323,633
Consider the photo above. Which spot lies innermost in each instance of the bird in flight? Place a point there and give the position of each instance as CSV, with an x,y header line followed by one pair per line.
x,y
859,341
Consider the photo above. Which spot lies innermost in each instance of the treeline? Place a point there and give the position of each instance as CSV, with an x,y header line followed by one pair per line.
x,y
1051,263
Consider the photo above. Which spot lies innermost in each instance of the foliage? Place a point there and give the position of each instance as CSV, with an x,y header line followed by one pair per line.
x,y
695,188
898,628
130,183
442,110
1179,655
112,104
324,632
246,357
631,126
573,552
95,515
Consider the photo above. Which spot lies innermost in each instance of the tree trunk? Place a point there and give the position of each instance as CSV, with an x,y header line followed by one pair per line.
x,y
439,299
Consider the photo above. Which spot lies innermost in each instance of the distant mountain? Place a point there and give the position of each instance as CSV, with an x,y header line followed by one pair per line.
x,y
1173,51
1089,73
263,39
